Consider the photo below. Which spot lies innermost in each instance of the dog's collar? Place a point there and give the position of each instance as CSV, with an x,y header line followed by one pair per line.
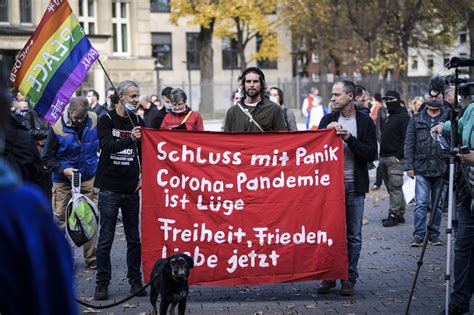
x,y
178,279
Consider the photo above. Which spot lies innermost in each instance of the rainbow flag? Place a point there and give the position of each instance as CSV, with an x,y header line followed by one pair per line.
x,y
54,61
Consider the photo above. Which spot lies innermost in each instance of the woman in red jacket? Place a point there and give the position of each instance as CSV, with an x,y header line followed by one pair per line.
x,y
181,116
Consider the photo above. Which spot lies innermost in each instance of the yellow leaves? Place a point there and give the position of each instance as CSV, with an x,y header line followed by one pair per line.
x,y
269,48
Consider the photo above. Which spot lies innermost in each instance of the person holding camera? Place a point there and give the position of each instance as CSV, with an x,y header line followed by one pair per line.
x,y
463,287
425,159
72,144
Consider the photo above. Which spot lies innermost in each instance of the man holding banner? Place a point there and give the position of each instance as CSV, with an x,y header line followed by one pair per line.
x,y
360,147
254,112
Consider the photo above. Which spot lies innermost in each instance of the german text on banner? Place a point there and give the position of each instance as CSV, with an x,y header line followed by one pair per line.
x,y
250,208
54,61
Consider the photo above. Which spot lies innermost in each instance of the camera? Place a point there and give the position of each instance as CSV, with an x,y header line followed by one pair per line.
x,y
466,89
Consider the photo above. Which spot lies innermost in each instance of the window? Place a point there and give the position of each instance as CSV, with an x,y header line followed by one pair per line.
x,y
120,27
4,16
230,54
192,51
160,6
87,16
414,63
314,57
430,62
25,11
462,37
264,64
162,49
445,59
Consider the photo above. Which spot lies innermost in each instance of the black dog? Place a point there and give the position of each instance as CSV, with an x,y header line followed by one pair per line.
x,y
171,283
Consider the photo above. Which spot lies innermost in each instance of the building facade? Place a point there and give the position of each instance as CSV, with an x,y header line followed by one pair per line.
x,y
137,41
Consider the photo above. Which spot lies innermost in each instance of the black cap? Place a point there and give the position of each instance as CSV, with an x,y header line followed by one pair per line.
x,y
255,70
391,96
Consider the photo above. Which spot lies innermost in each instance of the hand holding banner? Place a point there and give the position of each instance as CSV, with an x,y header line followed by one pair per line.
x,y
249,208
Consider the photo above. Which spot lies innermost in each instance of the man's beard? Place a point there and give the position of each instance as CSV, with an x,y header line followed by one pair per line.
x,y
252,92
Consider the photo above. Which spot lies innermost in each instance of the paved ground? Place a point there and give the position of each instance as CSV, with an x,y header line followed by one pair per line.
x,y
387,267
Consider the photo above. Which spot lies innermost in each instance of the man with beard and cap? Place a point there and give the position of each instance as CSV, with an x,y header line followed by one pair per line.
x,y
72,145
254,112
118,178
391,156
425,159
357,130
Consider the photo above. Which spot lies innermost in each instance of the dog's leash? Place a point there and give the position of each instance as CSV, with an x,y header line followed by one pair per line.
x,y
100,307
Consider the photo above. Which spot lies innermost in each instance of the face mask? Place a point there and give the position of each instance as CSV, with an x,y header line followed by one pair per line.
x,y
359,104
274,100
168,106
89,99
129,107
392,107
177,111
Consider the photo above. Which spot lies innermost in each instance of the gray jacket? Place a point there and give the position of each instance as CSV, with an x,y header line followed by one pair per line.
x,y
422,153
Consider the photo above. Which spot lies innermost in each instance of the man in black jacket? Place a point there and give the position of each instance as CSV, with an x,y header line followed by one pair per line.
x,y
360,147
391,156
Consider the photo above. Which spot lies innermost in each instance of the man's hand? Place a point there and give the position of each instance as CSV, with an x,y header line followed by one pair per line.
x,y
136,133
344,133
436,130
68,172
139,185
467,159
411,174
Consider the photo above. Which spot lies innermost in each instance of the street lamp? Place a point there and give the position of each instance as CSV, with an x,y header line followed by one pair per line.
x,y
158,66
189,83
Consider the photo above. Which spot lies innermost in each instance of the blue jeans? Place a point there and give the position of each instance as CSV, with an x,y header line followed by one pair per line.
x,y
354,217
463,286
109,204
426,189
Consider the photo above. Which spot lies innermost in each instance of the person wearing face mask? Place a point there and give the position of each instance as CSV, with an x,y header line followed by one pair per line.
x,y
429,169
391,156
181,116
118,178
163,110
276,96
72,145
108,102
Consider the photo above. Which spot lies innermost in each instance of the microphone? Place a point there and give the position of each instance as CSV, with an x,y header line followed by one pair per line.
x,y
456,62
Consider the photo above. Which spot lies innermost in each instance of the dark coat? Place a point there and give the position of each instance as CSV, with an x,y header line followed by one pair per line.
x,y
364,147
423,154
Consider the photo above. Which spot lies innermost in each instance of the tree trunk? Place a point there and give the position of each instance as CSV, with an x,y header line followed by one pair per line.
x,y
207,70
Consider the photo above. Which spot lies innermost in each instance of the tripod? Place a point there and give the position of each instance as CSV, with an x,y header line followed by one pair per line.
x,y
429,229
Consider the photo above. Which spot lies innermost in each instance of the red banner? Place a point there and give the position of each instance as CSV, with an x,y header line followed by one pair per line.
x,y
249,208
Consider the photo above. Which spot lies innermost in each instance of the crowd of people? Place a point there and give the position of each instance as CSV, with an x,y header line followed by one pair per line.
x,y
102,142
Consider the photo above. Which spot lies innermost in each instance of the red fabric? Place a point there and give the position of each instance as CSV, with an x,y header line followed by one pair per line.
x,y
286,211
310,103
172,120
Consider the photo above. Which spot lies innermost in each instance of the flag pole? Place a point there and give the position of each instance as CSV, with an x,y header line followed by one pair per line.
x,y
113,87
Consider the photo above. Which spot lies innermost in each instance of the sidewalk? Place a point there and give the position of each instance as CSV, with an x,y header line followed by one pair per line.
x,y
387,267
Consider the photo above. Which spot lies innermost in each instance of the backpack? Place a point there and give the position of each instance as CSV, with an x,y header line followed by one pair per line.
x,y
81,215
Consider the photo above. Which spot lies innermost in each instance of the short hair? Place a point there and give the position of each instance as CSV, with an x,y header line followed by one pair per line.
x,y
78,105
166,91
145,98
378,97
178,96
280,93
95,93
347,86
154,96
124,85
359,90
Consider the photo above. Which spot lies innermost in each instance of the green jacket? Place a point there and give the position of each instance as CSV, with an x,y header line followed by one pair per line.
x,y
465,127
